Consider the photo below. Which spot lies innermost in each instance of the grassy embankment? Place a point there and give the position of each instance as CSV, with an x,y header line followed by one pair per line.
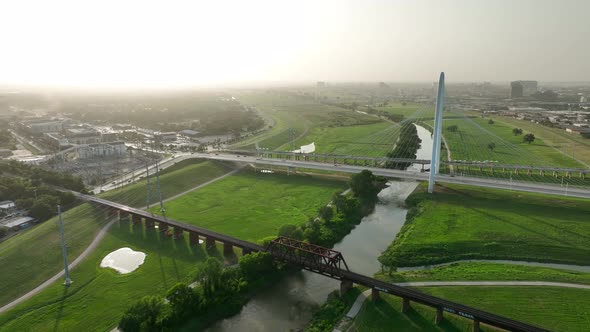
x,y
176,179
333,129
483,271
33,256
462,222
99,296
251,205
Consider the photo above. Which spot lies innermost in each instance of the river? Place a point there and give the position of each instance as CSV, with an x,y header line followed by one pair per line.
x,y
290,303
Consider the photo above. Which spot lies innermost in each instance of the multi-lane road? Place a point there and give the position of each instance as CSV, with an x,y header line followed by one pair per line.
x,y
390,173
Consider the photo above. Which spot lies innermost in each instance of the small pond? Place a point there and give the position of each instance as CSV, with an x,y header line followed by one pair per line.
x,y
124,260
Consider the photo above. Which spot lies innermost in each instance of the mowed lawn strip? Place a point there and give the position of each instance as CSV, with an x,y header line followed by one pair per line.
x,y
462,222
481,271
251,205
553,308
178,178
98,296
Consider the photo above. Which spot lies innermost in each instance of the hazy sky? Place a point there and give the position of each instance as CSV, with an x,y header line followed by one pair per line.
x,y
162,43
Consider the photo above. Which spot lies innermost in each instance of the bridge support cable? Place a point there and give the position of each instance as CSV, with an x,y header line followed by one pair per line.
x,y
435,161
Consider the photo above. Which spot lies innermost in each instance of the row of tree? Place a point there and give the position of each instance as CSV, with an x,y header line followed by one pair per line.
x,y
336,220
406,146
219,292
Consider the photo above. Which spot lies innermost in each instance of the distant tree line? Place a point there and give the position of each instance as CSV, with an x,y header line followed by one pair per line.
x,y
406,146
33,188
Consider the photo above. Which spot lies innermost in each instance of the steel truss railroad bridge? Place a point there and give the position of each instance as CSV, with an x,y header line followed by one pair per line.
x,y
310,257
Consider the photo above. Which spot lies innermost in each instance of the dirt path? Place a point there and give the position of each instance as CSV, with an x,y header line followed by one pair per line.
x,y
72,265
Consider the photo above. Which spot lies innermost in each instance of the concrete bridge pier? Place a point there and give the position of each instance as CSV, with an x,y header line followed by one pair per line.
x,y
583,175
374,294
228,249
136,219
177,233
149,223
405,304
345,286
209,242
475,325
193,238
123,215
439,316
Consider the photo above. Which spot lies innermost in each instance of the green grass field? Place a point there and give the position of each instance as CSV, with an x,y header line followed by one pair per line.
x,y
558,139
462,222
251,205
481,271
554,308
363,140
333,129
470,142
558,309
98,296
178,178
385,315
33,256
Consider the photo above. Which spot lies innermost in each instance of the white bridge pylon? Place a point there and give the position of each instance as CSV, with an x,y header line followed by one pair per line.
x,y
437,132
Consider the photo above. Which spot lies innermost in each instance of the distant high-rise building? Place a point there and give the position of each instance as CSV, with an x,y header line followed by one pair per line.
x,y
523,88
516,89
321,84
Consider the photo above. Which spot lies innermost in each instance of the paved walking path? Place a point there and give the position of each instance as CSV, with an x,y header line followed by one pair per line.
x,y
204,184
53,279
492,283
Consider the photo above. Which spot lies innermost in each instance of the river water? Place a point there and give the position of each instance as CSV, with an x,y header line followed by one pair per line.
x,y
290,303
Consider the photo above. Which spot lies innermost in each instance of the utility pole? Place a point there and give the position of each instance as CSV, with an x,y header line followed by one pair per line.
x,y
148,187
162,209
64,251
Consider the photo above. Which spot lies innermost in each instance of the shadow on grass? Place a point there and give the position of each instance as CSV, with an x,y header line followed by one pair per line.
x,y
61,308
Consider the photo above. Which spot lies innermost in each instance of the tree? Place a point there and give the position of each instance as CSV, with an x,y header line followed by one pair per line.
x,y
287,230
209,276
517,131
143,315
326,213
183,300
453,128
339,201
492,146
529,138
363,185
255,265
490,121
44,207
